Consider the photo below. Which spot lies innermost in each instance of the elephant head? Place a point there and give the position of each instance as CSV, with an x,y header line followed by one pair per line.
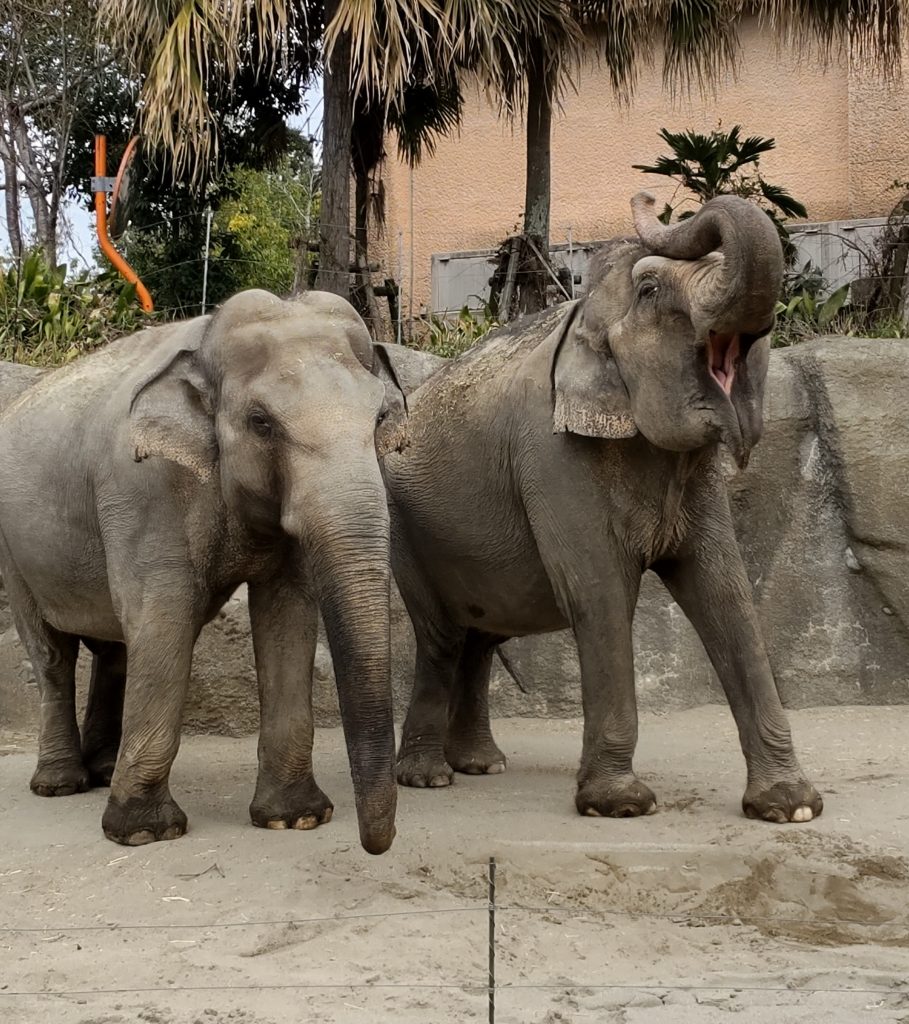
x,y
277,401
672,339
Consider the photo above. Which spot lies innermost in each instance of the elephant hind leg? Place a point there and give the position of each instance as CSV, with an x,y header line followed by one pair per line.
x,y
421,758
103,720
53,656
470,747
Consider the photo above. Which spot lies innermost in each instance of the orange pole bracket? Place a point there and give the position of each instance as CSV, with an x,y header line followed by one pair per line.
x,y
107,246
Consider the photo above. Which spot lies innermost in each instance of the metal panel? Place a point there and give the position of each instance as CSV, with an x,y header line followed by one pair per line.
x,y
836,248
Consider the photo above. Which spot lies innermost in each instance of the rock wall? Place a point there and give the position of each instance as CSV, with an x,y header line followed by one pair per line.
x,y
823,519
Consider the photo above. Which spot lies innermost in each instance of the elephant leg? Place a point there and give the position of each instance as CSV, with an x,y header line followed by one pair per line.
x,y
710,585
102,722
421,758
470,747
159,641
601,620
284,621
53,655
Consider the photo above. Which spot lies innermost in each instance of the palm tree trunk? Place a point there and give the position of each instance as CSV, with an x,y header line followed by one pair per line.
x,y
364,298
334,227
538,180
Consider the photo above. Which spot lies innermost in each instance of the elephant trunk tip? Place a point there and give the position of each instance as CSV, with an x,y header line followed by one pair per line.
x,y
377,841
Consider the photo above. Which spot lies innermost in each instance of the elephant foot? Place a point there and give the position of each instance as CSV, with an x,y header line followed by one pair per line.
x,y
424,769
100,765
300,805
782,802
625,797
60,778
475,757
140,820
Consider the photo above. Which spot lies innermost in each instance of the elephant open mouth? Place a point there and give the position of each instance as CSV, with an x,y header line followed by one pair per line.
x,y
722,355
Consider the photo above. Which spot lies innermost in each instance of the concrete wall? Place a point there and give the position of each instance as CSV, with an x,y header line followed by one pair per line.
x,y
823,519
842,137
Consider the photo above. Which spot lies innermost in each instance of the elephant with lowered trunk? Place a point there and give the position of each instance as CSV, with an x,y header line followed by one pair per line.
x,y
139,486
546,470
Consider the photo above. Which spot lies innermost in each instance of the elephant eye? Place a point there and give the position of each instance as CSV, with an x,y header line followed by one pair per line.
x,y
259,423
647,288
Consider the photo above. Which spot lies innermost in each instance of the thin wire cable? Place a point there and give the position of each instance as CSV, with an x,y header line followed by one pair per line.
x,y
194,925
563,986
578,912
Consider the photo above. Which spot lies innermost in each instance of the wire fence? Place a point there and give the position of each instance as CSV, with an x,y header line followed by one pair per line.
x,y
486,912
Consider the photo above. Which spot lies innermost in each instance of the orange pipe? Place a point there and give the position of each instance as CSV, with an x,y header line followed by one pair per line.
x,y
107,246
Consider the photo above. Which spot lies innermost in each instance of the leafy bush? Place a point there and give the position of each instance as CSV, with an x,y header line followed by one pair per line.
x,y
450,338
262,218
47,320
724,163
809,310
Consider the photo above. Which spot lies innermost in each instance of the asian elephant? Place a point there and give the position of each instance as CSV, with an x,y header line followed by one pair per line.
x,y
545,470
140,485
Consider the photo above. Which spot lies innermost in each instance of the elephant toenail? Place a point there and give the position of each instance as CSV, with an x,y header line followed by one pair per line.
x,y
802,814
306,823
141,838
439,781
495,769
277,823
592,812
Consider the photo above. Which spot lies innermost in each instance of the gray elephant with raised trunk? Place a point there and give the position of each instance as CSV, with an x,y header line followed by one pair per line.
x,y
139,486
550,467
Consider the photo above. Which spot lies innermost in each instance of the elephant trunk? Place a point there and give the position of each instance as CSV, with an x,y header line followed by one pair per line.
x,y
740,295
346,537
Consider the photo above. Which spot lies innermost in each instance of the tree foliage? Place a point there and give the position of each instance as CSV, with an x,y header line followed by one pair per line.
x,y
723,163
261,220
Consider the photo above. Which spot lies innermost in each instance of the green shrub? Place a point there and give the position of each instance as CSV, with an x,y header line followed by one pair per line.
x,y
46,320
724,163
808,310
451,337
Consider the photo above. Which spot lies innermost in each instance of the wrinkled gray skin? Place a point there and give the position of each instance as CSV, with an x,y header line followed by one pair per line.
x,y
550,467
140,486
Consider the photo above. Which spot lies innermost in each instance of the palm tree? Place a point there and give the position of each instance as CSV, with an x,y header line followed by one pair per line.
x,y
523,50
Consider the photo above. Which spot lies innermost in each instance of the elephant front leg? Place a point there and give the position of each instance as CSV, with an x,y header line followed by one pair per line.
x,y
607,784
140,808
284,623
711,586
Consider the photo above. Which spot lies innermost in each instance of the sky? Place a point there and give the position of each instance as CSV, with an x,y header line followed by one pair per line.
x,y
79,241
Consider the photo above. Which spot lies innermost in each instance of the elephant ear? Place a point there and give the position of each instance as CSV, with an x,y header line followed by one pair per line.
x,y
406,367
402,370
170,412
590,397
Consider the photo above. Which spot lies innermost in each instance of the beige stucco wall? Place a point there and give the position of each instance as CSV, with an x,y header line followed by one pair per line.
x,y
842,138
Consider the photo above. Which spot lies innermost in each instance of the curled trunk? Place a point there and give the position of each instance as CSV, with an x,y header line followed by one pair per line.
x,y
748,281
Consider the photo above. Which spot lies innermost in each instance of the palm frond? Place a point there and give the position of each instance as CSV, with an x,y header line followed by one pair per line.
x,y
425,113
700,42
873,29
621,35
179,48
397,43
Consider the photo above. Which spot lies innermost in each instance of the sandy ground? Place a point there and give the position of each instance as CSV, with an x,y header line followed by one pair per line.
x,y
598,920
